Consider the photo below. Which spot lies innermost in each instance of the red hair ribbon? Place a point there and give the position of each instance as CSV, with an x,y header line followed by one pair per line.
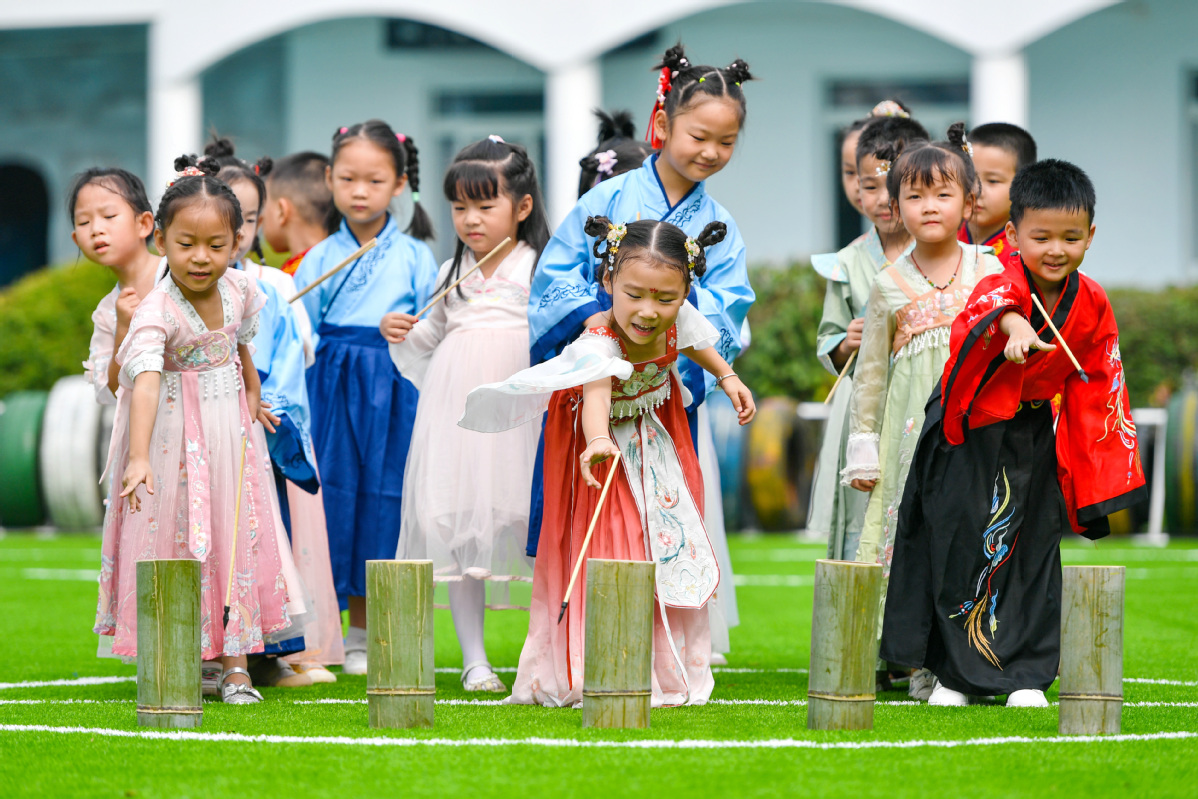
x,y
256,169
664,85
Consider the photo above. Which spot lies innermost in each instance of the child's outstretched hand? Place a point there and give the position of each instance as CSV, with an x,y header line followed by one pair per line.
x,y
742,398
126,303
597,451
268,419
136,473
396,326
1022,338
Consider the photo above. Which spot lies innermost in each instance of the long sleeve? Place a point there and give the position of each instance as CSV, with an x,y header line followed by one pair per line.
x,y
100,350
834,324
563,292
724,295
424,276
870,380
412,355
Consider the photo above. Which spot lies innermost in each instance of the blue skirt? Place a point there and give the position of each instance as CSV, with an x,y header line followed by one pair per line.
x,y
362,414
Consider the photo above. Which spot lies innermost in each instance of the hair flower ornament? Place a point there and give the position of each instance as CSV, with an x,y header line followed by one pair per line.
x,y
967,145
889,108
883,168
497,139
607,162
187,172
693,251
615,234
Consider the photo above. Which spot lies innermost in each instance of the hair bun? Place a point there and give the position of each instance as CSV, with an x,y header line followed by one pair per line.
x,y
738,71
208,165
219,148
263,166
713,234
956,134
597,225
589,163
675,59
618,123
184,161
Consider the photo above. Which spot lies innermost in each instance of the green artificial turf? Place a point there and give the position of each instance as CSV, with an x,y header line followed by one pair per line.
x,y
47,601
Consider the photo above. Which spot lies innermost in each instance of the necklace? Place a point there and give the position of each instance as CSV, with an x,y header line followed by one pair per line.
x,y
956,269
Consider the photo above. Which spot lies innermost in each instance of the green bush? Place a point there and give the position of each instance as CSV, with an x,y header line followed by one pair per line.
x,y
1158,337
46,324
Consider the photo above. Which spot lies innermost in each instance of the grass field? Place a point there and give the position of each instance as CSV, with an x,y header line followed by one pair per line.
x,y
61,737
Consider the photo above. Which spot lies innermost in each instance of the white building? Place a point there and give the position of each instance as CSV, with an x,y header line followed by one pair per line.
x,y
1110,85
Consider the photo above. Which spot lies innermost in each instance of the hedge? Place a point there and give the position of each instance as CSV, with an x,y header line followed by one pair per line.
x,y
45,326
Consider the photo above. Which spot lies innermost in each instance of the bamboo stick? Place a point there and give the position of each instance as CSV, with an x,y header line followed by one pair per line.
x,y
618,669
168,644
365,248
1091,650
469,272
841,679
586,542
400,686
843,371
236,524
1060,339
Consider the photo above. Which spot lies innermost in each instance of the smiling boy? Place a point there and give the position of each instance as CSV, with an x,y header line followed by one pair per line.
x,y
1000,150
1020,448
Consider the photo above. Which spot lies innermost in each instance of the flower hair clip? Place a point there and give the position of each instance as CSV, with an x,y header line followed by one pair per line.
x,y
187,172
403,138
497,139
693,251
607,162
615,234
889,108
967,145
883,168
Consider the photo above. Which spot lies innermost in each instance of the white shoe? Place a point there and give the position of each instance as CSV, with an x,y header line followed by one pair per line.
x,y
355,651
317,672
478,676
921,685
943,696
718,660
1027,697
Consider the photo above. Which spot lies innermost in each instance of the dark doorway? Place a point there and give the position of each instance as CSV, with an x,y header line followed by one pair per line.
x,y
24,217
849,223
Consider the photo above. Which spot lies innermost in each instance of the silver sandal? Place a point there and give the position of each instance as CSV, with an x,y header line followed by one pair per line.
x,y
490,683
238,693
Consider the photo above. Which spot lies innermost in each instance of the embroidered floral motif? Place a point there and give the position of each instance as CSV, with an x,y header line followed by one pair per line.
x,y
566,292
206,351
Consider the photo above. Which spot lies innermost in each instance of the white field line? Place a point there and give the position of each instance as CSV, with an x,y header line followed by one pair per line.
x,y
76,681
811,554
44,554
67,575
773,580
566,743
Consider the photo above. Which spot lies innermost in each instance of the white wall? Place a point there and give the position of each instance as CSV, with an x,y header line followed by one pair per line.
x,y
1109,93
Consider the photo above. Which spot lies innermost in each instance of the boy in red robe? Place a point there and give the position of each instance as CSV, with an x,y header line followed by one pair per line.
x,y
1000,150
975,586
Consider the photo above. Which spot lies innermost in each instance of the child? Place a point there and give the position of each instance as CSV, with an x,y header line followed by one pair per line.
x,y
904,343
299,211
362,409
618,151
282,351
191,398
466,494
976,584
999,150
113,222
836,509
851,136
617,390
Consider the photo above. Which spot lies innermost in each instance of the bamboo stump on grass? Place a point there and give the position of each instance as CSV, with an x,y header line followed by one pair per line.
x,y
400,685
168,644
844,629
618,668
1092,650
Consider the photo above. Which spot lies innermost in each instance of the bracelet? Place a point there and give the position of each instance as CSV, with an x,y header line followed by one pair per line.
x,y
721,379
596,438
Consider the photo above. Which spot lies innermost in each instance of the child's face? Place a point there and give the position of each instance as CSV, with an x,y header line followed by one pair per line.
x,y
482,224
875,199
646,299
199,246
247,195
363,181
1052,242
699,141
107,229
848,169
273,229
996,169
934,213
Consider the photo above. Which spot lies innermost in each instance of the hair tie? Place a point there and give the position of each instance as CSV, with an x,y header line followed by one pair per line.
x,y
607,162
415,196
615,234
402,137
889,108
257,169
344,130
693,251
966,145
186,172
497,139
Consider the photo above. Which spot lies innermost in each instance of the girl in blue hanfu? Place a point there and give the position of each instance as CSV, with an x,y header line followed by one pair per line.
x,y
617,390
362,409
694,127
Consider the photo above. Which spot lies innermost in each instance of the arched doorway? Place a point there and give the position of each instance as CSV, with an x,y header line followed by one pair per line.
x,y
24,216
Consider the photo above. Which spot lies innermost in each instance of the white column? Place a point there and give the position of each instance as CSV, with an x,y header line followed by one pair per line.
x,y
571,94
176,110
998,89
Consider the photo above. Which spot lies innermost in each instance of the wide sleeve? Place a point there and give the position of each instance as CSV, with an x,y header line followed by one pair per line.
x,y
871,378
280,360
524,396
252,301
834,324
1098,456
100,350
314,264
424,275
563,292
695,331
412,355
144,347
723,294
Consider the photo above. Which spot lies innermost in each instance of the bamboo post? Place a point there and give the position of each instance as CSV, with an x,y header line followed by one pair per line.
x,y
168,644
1092,650
844,630
618,665
400,683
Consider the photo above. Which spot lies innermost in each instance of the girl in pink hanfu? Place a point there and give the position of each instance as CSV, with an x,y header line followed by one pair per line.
x,y
191,398
616,390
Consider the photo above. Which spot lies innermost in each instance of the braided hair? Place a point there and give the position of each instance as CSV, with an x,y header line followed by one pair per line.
x,y
662,243
404,155
205,186
233,169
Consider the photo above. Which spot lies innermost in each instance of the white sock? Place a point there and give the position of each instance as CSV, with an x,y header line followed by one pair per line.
x,y
467,603
355,640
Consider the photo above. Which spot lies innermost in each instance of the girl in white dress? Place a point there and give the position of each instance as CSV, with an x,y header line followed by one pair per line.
x,y
466,494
